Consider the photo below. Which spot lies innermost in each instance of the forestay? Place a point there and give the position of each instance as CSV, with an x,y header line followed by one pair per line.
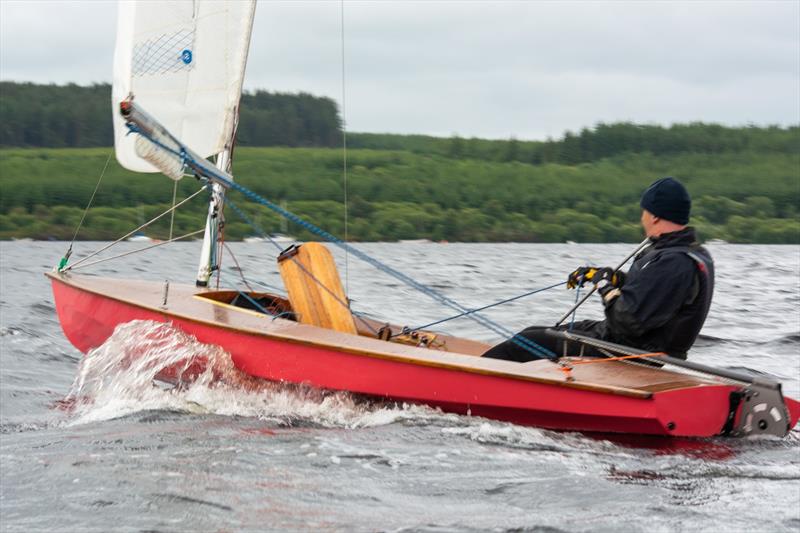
x,y
184,62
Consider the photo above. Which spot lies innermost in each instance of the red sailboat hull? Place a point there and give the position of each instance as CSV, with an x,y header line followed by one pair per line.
x,y
539,396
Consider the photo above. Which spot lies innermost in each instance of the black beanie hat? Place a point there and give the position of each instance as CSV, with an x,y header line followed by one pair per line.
x,y
667,198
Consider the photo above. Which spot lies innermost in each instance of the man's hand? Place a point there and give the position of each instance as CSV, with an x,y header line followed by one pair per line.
x,y
595,275
580,276
611,278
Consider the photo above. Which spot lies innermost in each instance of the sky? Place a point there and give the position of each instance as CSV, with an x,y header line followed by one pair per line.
x,y
494,69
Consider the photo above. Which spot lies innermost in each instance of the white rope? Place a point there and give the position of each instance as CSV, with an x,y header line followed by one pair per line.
x,y
172,217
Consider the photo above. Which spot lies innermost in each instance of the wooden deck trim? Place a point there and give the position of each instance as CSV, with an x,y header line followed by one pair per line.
x,y
398,357
202,298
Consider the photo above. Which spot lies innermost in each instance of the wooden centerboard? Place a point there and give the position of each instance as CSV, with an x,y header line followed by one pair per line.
x,y
314,287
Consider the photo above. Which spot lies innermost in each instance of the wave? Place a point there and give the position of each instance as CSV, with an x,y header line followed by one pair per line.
x,y
783,340
154,366
13,331
43,308
711,340
22,427
792,338
705,470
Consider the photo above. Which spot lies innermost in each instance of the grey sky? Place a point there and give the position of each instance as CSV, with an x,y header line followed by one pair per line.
x,y
488,69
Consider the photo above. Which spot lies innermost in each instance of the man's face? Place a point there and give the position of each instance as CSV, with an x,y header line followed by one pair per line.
x,y
648,222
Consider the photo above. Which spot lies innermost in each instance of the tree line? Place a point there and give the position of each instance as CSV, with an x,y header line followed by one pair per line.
x,y
583,187
74,116
600,142
747,197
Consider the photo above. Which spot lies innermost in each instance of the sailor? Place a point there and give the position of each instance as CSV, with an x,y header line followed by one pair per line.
x,y
660,305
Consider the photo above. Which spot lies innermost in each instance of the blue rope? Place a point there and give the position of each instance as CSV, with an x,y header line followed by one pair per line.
x,y
507,300
255,226
343,303
523,342
255,303
577,297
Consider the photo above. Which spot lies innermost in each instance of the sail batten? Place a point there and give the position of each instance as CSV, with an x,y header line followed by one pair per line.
x,y
184,62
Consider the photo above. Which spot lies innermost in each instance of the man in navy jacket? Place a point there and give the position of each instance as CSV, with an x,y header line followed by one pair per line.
x,y
660,305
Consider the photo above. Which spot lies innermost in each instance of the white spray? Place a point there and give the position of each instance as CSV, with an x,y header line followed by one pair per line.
x,y
126,374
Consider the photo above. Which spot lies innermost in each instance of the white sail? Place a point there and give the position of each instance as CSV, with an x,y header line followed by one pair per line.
x,y
183,61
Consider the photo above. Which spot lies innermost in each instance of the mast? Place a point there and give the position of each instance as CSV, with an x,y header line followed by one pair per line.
x,y
184,62
211,249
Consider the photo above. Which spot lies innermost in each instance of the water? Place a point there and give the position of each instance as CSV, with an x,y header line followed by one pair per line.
x,y
94,445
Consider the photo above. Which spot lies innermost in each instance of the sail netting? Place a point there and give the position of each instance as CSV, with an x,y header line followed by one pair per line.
x,y
184,62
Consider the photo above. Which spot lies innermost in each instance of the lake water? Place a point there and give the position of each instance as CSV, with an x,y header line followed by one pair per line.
x,y
130,456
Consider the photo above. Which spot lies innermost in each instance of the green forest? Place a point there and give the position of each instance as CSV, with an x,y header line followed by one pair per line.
x,y
72,116
582,187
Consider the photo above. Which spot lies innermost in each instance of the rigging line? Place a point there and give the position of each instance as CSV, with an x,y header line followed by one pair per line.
x,y
619,358
280,291
577,297
221,212
91,199
254,302
172,217
344,156
238,268
162,243
644,244
106,247
610,352
316,280
219,256
507,300
523,342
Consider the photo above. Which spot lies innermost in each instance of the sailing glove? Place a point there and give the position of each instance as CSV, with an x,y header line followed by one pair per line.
x,y
596,275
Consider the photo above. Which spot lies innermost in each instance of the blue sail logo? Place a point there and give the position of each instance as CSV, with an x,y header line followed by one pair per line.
x,y
161,54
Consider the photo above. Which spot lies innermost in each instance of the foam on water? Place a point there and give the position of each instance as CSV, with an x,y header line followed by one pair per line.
x,y
124,375
534,439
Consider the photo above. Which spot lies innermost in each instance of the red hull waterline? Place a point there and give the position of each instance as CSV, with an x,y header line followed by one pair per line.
x,y
88,319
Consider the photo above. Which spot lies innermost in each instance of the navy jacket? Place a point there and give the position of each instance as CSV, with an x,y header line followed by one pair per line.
x,y
665,298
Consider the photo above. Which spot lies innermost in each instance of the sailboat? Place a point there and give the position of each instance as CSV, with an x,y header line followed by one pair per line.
x,y
177,81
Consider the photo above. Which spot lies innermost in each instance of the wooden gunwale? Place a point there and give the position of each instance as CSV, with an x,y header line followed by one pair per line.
x,y
429,360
